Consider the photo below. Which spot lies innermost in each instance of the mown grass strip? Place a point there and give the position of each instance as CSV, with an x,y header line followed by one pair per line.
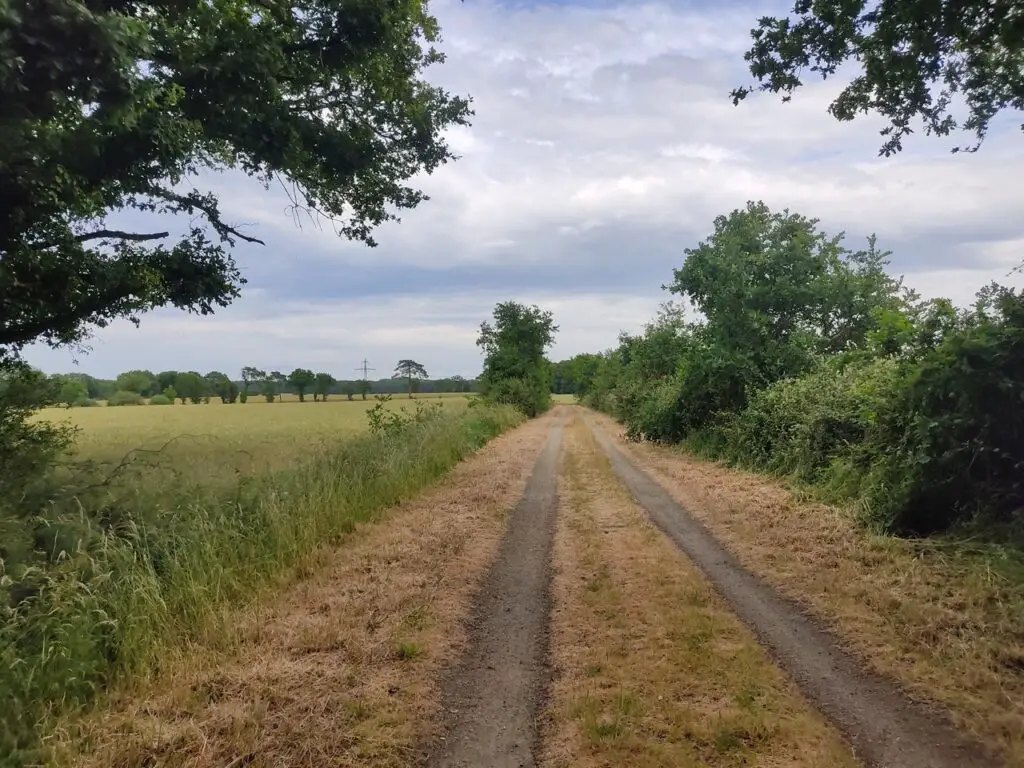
x,y
121,607
652,669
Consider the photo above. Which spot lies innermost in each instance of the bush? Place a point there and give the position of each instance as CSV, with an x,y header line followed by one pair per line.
x,y
951,449
160,400
124,397
802,426
527,394
85,402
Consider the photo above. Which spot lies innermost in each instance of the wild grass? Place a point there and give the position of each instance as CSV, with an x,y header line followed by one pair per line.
x,y
120,581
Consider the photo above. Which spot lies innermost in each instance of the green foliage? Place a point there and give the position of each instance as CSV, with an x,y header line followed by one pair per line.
x,y
810,362
72,391
918,58
160,400
190,386
322,386
412,372
125,397
27,447
140,382
111,106
170,393
301,379
515,370
119,583
222,386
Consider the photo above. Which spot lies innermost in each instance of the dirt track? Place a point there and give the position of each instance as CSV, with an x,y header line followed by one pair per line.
x,y
425,639
884,727
491,698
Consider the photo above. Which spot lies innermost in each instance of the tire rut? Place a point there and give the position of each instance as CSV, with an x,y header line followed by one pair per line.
x,y
491,698
885,728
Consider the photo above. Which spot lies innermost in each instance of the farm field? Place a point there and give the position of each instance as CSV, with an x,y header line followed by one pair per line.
x,y
213,442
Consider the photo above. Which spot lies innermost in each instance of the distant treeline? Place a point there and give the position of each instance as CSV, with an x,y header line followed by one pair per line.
x,y
135,386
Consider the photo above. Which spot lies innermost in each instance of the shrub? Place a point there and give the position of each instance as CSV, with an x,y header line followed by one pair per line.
x,y
951,448
528,394
124,397
85,402
160,400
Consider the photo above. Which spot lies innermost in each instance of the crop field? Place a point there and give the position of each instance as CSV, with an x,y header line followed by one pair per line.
x,y
215,442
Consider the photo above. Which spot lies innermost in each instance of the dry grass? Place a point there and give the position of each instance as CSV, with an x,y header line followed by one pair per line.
x,y
944,624
342,668
652,668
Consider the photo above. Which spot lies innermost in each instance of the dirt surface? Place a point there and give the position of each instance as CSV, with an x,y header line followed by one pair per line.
x,y
883,726
491,697
651,668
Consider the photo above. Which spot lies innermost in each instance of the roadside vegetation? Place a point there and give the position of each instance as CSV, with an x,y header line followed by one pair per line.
x,y
804,358
119,571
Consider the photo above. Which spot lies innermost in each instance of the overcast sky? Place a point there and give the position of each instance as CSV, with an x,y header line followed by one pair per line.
x,y
604,143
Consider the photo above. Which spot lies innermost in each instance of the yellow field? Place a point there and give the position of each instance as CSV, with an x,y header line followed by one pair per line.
x,y
219,442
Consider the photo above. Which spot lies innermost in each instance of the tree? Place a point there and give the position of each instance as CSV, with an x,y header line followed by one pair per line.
x,y
348,389
141,382
249,376
515,369
322,386
411,371
301,379
70,391
277,380
190,386
112,106
165,379
222,386
918,59
364,387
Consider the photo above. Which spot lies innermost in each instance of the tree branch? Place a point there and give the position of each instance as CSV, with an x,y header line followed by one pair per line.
x,y
134,236
194,203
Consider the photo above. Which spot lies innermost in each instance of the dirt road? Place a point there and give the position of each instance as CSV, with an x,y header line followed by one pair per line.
x,y
884,727
547,604
491,699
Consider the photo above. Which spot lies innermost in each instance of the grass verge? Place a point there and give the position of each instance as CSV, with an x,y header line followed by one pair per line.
x,y
945,618
339,668
141,583
651,667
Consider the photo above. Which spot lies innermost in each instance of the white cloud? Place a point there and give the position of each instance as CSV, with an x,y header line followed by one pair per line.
x,y
604,143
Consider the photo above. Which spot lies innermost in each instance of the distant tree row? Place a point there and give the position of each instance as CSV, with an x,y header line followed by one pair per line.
x,y
137,386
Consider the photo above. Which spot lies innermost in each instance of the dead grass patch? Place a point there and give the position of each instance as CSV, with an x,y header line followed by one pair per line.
x,y
651,667
341,668
935,617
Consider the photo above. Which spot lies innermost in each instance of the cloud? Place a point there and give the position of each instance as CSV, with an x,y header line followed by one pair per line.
x,y
604,143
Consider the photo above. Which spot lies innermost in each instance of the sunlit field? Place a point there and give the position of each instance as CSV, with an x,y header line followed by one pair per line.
x,y
219,442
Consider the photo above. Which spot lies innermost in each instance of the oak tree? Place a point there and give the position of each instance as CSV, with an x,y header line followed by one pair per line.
x,y
918,60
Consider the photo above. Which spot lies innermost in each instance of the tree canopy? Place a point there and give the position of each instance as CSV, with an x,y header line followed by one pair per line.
x,y
126,106
411,371
919,60
515,369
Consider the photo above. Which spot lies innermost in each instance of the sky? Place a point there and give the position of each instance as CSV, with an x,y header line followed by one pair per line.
x,y
604,143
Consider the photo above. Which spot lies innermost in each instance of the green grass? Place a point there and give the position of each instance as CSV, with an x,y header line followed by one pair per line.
x,y
117,586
